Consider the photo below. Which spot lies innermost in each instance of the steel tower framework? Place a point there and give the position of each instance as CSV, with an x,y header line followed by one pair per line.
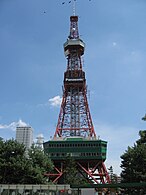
x,y
75,120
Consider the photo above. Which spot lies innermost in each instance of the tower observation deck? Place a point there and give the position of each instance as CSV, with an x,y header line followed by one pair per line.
x,y
75,135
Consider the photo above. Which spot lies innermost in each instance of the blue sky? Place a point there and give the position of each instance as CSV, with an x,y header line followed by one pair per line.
x,y
32,64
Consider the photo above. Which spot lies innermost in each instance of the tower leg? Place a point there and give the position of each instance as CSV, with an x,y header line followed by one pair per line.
x,y
97,174
54,177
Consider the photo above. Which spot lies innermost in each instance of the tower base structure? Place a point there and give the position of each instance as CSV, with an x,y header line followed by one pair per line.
x,y
89,156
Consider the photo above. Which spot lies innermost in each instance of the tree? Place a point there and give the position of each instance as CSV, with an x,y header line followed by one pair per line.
x,y
41,165
12,161
133,162
142,139
71,173
17,167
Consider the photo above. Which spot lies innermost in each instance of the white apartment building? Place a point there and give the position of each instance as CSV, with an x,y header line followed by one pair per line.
x,y
24,134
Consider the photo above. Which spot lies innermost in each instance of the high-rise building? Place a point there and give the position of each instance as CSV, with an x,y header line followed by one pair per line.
x,y
24,135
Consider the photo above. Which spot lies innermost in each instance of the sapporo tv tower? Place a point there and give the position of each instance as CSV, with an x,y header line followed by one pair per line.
x,y
75,135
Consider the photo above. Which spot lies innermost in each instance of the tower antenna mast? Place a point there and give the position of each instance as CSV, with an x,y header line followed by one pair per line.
x,y
74,7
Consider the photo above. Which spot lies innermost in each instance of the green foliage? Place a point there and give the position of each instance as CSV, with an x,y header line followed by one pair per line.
x,y
12,161
142,139
71,173
41,164
17,167
133,162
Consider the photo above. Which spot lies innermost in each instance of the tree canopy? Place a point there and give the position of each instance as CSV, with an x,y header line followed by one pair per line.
x,y
71,173
133,162
17,167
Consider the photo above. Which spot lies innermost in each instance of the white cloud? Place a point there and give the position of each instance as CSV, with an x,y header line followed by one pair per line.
x,y
3,126
21,123
55,101
13,125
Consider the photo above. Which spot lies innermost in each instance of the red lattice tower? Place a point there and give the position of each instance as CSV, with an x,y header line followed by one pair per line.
x,y
75,135
74,118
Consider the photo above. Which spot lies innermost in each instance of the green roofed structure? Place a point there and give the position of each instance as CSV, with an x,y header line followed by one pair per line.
x,y
78,148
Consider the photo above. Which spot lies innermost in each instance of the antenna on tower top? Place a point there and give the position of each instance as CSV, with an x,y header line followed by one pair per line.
x,y
73,3
74,7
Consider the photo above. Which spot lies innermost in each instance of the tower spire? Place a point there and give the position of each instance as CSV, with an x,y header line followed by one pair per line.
x,y
74,7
